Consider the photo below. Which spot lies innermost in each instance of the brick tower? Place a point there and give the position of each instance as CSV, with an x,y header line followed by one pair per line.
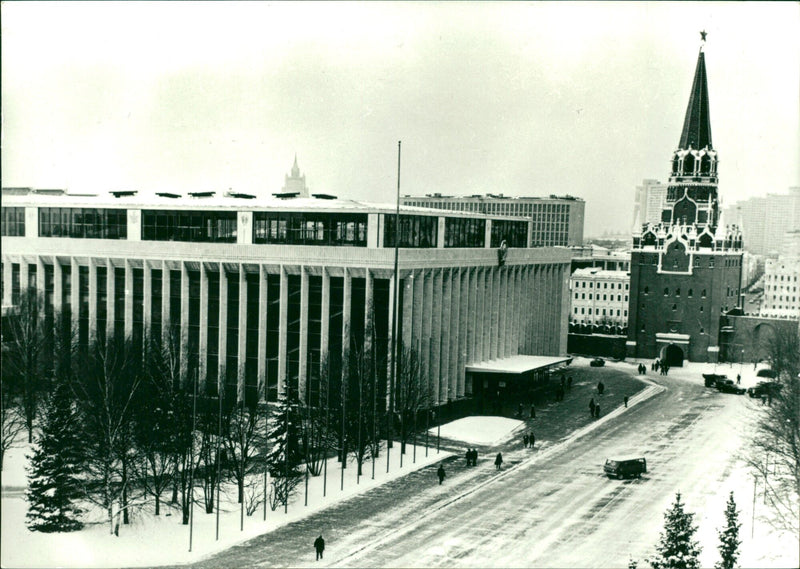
x,y
686,269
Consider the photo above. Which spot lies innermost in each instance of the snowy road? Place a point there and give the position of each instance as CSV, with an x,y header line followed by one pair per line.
x,y
554,508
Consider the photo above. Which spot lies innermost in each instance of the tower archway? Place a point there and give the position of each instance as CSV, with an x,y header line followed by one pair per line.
x,y
672,355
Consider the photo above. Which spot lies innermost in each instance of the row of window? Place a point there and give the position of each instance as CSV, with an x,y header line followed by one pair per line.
x,y
689,294
13,222
414,231
83,222
194,226
339,229
464,232
514,233
583,297
789,278
597,312
582,284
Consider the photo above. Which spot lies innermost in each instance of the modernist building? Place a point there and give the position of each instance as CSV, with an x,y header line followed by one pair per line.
x,y
599,298
261,292
685,269
764,220
649,202
781,294
595,256
557,221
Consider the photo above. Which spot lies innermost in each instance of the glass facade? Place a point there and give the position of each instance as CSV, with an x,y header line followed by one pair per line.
x,y
514,233
13,222
416,231
464,232
297,228
194,226
86,222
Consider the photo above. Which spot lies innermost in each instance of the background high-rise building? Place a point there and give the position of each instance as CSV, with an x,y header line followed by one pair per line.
x,y
557,220
765,220
649,202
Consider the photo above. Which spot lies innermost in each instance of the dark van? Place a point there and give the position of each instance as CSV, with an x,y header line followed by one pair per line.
x,y
625,467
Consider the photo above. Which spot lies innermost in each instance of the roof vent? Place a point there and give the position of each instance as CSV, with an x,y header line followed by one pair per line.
x,y
324,196
168,195
286,195
202,194
123,193
16,191
240,196
50,192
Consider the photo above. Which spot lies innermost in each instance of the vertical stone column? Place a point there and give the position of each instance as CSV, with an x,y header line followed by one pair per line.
x,y
147,304
262,332
407,291
564,301
502,311
479,322
326,321
24,279
418,316
74,293
302,376
202,340
347,299
440,319
128,299
472,309
222,338
427,323
537,310
549,314
463,331
494,314
283,325
166,324
40,288
58,285
241,359
92,299
111,292
7,284
184,339
517,310
453,339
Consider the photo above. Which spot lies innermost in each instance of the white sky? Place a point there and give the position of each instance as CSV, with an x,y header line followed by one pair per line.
x,y
519,98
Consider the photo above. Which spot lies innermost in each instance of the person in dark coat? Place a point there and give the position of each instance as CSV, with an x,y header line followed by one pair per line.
x,y
440,473
597,411
498,461
468,456
738,379
525,440
569,383
532,440
474,457
319,545
626,401
591,407
533,411
600,387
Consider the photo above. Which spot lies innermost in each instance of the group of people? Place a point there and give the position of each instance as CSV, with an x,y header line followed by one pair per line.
x,y
658,365
472,457
528,439
642,369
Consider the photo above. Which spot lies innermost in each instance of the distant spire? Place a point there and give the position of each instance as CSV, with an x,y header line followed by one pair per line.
x,y
295,167
697,124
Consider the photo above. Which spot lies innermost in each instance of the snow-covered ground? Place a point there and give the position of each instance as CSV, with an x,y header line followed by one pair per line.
x,y
479,430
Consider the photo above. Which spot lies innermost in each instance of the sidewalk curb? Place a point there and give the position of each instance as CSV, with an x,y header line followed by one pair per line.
x,y
648,392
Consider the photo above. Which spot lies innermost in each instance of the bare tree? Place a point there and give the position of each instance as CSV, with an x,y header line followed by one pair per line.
x,y
317,438
13,423
360,412
26,365
242,439
775,443
106,381
412,393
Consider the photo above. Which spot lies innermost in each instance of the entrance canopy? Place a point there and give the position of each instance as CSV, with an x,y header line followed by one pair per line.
x,y
518,364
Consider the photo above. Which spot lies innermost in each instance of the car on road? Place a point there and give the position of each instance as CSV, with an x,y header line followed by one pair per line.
x,y
728,386
766,372
710,379
764,388
597,362
625,467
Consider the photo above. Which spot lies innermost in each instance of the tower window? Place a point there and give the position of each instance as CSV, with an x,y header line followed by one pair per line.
x,y
677,292
666,292
690,293
703,294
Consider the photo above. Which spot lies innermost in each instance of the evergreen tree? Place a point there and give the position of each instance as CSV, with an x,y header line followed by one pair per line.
x,y
285,450
729,537
676,548
54,491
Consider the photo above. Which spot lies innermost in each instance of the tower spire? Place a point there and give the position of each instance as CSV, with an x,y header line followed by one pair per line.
x,y
697,124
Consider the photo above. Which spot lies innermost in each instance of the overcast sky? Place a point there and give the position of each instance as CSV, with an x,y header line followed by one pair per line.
x,y
518,98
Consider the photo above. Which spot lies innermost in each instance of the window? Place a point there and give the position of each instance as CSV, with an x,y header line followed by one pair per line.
x,y
703,294
188,225
514,233
464,232
13,222
666,292
83,223
416,231
646,289
677,291
690,293
299,228
674,307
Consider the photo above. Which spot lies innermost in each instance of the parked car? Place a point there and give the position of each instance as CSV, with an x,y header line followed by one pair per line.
x,y
625,467
728,386
766,372
764,388
711,379
597,362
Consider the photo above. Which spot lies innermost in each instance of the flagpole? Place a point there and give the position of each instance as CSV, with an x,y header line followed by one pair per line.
x,y
393,370
191,457
219,439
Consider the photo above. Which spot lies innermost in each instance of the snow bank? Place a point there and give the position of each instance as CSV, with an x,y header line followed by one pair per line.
x,y
479,430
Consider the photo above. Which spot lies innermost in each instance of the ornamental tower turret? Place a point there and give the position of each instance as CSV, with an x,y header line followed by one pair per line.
x,y
686,269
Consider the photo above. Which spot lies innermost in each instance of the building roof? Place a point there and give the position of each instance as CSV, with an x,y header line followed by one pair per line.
x,y
518,364
222,201
697,124
596,272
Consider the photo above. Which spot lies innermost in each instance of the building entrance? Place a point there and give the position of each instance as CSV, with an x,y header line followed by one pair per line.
x,y
672,355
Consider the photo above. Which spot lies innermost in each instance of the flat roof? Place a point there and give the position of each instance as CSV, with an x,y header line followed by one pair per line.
x,y
518,364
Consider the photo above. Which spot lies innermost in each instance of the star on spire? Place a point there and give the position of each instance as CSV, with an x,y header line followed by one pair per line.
x,y
703,35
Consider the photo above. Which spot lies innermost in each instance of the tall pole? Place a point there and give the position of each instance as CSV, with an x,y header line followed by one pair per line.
x,y
393,371
327,420
219,441
286,457
266,442
191,457
373,373
343,452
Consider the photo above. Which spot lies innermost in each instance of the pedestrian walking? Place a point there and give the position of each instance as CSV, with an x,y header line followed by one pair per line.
x,y
626,401
569,383
532,440
763,399
468,456
519,410
474,457
440,473
600,387
738,379
525,440
597,411
591,407
319,546
533,411
498,461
